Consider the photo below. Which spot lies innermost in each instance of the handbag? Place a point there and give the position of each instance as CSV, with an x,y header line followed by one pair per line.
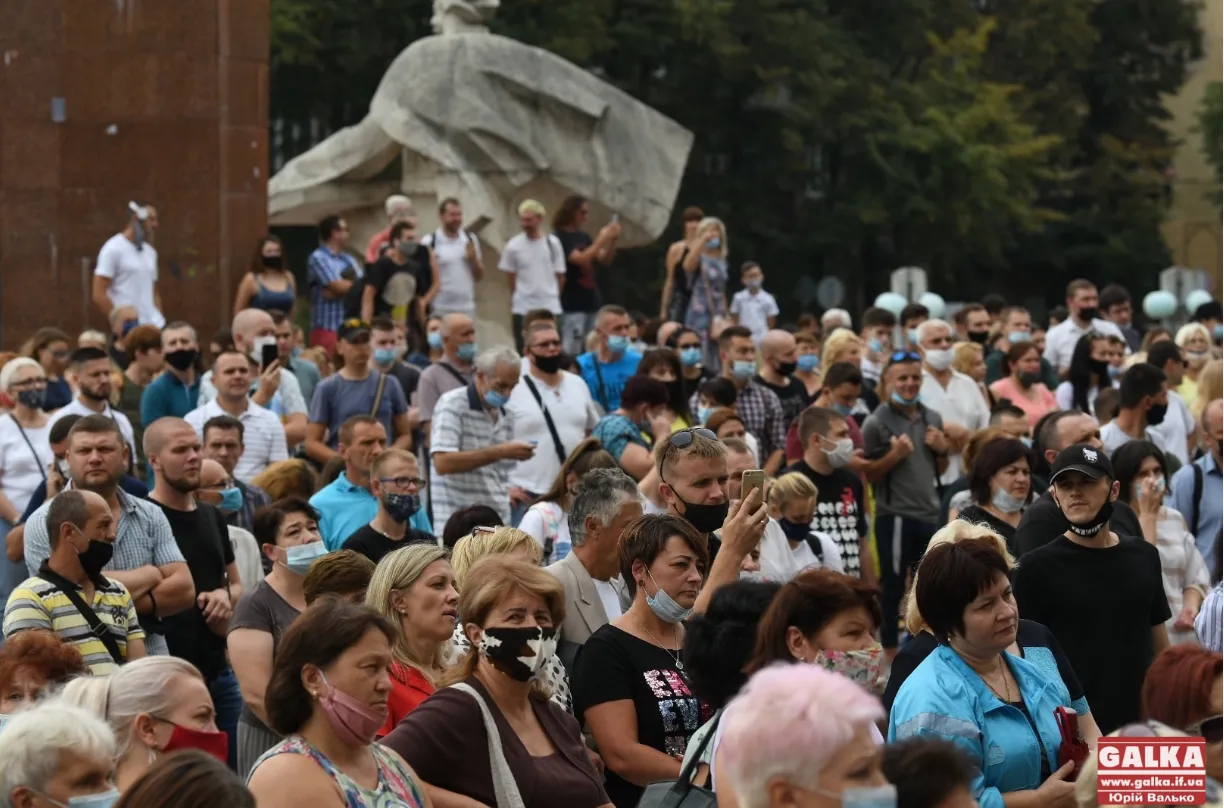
x,y
1073,747
681,793
504,787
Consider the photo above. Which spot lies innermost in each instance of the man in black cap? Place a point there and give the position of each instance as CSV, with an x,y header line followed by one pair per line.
x,y
1101,594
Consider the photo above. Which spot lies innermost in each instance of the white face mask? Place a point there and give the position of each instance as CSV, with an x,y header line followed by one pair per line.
x,y
841,454
940,358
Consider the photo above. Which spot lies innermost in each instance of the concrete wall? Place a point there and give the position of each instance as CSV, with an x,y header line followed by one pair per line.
x,y
161,101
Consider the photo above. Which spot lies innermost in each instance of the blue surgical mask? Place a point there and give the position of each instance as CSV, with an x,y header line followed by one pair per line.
x,y
1018,336
877,345
1027,441
1115,371
843,409
495,399
231,500
1160,485
808,363
434,338
385,356
898,399
467,351
298,559
103,800
714,243
618,343
690,357
753,284
664,607
913,336
743,369
1006,501
703,414
872,797
401,507
1217,331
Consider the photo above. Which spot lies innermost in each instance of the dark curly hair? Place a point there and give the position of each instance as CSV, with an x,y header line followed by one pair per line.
x,y
41,653
719,643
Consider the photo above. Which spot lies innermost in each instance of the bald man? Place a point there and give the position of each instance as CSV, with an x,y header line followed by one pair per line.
x,y
272,387
1197,487
453,370
779,355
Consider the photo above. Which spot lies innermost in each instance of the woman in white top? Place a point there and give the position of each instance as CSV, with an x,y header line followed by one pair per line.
x,y
1141,470
1089,373
25,451
789,544
547,520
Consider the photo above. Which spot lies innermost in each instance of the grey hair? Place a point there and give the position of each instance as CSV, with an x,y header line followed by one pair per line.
x,y
138,688
487,361
13,366
601,493
836,317
32,743
929,325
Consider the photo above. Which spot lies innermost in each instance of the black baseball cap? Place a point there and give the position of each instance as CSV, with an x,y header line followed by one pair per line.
x,y
353,329
1085,459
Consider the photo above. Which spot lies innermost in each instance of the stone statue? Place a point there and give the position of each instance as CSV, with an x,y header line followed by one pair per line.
x,y
491,122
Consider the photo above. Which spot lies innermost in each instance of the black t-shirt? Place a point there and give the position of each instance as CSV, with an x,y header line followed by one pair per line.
x,y
614,665
840,511
409,378
374,545
1043,522
382,272
980,516
1101,604
203,539
793,396
1028,635
581,293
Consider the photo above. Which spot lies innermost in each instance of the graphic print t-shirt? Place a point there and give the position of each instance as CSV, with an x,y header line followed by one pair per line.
x,y
839,511
616,666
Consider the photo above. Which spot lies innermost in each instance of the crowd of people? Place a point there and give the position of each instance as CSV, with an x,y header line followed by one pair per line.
x,y
889,559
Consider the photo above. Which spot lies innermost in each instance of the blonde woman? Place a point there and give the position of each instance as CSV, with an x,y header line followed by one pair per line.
x,y
705,274
288,478
1210,386
968,358
790,543
1195,341
414,588
155,705
1034,642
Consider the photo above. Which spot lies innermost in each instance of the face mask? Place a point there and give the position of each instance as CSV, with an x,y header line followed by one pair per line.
x,y
940,358
786,368
385,356
1028,378
405,246
1160,485
1217,331
877,345
664,607
467,351
1018,336
703,414
4,719
841,455
864,668
96,556
258,345
401,507
273,261
1094,525
743,369
1099,368
902,401
1089,313
874,797
547,364
755,576
128,325
1027,441
32,398
1114,371
182,359
520,653
795,531
353,722
1006,501
753,284
808,363
298,559
913,336
618,343
231,500
213,743
843,409
434,339
495,399
1196,356
714,243
705,518
690,357
103,800
979,337
1156,414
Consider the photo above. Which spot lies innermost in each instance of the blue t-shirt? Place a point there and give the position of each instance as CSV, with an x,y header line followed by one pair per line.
x,y
616,432
607,380
337,399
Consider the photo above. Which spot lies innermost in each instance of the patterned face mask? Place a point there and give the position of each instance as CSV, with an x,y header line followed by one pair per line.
x,y
863,667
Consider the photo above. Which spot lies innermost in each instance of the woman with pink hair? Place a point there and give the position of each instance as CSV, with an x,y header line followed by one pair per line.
x,y
799,735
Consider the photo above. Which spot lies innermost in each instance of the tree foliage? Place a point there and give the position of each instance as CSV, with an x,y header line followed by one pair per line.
x,y
1003,144
1211,130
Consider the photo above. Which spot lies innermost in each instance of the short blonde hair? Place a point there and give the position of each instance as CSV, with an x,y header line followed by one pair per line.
x,y
1210,385
531,206
1188,330
701,446
954,531
499,541
399,570
965,355
836,344
790,488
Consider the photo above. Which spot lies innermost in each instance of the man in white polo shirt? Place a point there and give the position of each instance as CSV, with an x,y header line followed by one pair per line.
x,y
460,264
950,393
534,263
1083,315
263,436
126,274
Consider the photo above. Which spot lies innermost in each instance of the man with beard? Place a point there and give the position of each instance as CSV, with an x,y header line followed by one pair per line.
x,y
198,635
146,559
70,597
91,369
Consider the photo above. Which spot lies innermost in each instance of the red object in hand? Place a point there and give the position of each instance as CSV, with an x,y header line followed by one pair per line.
x,y
1073,747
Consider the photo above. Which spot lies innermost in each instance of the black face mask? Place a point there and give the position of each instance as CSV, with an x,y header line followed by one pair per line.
x,y
1028,378
786,368
547,364
705,518
273,261
1094,526
979,337
1089,313
1101,369
182,359
1156,414
96,556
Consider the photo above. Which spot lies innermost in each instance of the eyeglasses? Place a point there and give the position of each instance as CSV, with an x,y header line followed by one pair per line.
x,y
684,437
1211,729
404,482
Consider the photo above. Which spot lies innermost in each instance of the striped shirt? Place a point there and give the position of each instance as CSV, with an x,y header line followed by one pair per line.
x,y
263,436
462,424
1181,565
324,267
40,604
1209,625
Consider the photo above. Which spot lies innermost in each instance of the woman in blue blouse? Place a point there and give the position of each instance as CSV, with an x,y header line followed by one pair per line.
x,y
644,409
998,708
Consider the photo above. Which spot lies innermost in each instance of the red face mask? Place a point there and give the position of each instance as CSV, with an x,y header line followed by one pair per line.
x,y
213,743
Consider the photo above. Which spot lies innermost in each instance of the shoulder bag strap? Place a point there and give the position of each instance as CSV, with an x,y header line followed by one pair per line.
x,y
458,376
603,392
548,420
378,396
96,627
1198,495
43,471
503,779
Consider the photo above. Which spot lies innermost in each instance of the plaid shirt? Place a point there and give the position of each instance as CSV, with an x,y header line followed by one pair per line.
x,y
324,267
142,537
462,424
761,412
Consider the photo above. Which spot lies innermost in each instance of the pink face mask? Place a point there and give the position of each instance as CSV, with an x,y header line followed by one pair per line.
x,y
353,722
864,667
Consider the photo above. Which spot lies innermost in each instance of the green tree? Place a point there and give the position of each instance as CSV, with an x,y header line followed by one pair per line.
x,y
1210,117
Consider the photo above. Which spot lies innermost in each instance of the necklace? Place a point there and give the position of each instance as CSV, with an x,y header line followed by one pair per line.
x,y
658,642
1006,695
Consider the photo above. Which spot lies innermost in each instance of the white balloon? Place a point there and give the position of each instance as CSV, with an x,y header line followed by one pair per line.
x,y
1197,298
935,305
891,302
1160,304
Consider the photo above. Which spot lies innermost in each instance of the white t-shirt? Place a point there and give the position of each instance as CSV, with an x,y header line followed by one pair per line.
x,y
961,403
754,310
573,414
779,562
535,263
133,275
1112,437
75,407
1176,428
456,287
535,523
1065,396
1061,340
22,469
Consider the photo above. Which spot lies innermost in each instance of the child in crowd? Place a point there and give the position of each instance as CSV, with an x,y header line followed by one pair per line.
x,y
753,307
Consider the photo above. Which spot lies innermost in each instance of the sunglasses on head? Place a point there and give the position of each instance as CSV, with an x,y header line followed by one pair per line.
x,y
685,436
1211,729
903,356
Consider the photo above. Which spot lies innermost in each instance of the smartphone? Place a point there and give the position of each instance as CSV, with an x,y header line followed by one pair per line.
x,y
753,478
267,355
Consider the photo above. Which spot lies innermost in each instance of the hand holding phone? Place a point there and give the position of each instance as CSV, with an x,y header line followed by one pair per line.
x,y
267,355
752,478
